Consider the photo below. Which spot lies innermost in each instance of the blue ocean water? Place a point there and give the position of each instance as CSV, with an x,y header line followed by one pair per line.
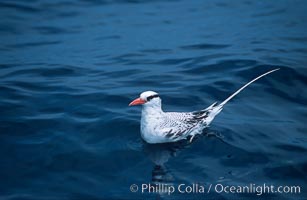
x,y
69,69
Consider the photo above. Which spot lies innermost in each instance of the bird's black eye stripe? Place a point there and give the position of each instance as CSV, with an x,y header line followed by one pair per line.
x,y
152,96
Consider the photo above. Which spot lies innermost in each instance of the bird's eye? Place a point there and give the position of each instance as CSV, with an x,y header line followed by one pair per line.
x,y
152,96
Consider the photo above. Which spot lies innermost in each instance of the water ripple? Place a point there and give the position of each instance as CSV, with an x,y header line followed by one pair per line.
x,y
204,46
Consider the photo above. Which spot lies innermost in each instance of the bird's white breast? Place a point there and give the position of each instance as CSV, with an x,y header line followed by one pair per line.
x,y
151,122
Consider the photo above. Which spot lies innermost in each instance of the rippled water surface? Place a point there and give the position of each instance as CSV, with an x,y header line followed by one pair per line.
x,y
68,70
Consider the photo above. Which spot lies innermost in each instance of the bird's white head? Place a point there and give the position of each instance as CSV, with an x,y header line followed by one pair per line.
x,y
148,98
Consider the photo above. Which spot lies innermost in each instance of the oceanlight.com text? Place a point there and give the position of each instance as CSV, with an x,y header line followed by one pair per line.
x,y
257,189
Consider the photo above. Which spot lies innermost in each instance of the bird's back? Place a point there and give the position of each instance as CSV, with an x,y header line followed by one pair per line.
x,y
174,126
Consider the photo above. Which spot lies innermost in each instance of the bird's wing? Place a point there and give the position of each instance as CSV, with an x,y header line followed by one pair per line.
x,y
179,125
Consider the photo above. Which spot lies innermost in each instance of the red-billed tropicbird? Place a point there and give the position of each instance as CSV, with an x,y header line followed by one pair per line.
x,y
158,126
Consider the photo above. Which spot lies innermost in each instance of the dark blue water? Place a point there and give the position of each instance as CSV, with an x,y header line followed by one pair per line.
x,y
68,70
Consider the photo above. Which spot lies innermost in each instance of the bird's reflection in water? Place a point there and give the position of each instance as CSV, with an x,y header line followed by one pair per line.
x,y
160,154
